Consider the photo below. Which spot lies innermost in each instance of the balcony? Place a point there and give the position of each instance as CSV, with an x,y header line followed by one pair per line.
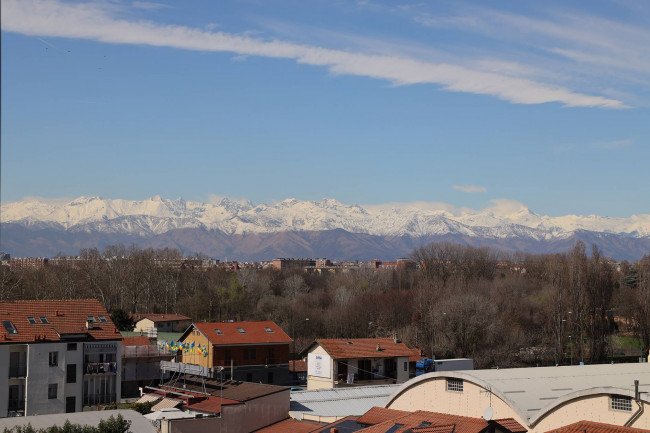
x,y
100,367
16,405
95,399
144,352
17,370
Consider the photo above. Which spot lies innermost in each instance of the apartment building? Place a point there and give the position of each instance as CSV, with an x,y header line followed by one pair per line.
x,y
246,351
57,356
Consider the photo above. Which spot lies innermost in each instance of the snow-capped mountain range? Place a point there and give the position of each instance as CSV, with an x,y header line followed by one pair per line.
x,y
505,221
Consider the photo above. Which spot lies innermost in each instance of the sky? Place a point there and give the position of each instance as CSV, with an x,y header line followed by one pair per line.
x,y
369,102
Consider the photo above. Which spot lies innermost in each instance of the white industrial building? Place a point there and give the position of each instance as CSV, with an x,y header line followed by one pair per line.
x,y
541,399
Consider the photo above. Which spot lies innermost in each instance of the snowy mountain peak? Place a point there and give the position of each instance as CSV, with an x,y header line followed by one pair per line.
x,y
156,215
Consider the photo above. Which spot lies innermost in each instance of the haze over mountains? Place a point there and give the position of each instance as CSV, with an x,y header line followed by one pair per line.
x,y
239,230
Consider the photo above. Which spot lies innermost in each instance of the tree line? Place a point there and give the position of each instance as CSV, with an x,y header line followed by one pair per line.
x,y
501,310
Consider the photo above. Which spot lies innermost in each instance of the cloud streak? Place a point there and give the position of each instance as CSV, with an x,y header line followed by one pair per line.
x,y
99,22
470,189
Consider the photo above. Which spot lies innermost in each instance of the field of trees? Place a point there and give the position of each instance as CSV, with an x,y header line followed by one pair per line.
x,y
501,310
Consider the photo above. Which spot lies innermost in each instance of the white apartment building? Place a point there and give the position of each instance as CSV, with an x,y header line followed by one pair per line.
x,y
57,357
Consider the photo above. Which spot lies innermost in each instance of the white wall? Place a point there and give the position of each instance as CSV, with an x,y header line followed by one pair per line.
x,y
314,382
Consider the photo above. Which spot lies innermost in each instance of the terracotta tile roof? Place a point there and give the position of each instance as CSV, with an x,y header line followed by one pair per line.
x,y
364,348
596,427
159,317
136,341
299,365
63,317
254,332
430,422
339,425
378,415
511,425
289,426
416,355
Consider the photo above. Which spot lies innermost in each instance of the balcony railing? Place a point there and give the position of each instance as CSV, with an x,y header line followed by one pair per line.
x,y
143,352
95,399
16,405
100,367
17,370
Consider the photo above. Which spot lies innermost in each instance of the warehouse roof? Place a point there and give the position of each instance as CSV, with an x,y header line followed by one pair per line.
x,y
339,402
596,427
532,392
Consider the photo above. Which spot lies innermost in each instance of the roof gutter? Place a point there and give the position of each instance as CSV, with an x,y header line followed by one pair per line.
x,y
639,411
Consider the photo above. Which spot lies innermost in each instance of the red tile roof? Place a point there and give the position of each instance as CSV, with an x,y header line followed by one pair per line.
x,y
364,348
298,365
63,317
435,422
255,333
289,426
511,425
136,341
378,415
159,317
596,427
416,355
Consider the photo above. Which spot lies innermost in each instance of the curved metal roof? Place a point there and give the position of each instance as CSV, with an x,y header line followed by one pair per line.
x,y
534,392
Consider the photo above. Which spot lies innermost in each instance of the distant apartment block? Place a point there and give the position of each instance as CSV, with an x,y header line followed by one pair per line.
x,y
57,357
145,322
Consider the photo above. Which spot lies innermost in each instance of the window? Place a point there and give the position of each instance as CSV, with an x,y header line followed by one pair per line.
x,y
249,377
620,402
31,320
90,319
218,331
72,346
102,319
228,355
269,377
44,320
271,355
406,366
269,330
71,373
241,330
52,390
454,384
9,326
54,359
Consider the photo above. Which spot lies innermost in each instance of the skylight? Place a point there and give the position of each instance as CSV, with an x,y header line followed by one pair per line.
x,y
9,326
269,330
102,319
90,318
31,320
218,331
241,330
44,320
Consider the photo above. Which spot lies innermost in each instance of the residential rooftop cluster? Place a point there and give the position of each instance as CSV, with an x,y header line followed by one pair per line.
x,y
67,357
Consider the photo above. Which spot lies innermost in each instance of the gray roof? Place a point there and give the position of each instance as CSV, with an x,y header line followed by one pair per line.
x,y
339,402
532,392
138,422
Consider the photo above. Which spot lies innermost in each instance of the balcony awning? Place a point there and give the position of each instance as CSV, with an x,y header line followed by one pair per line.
x,y
166,403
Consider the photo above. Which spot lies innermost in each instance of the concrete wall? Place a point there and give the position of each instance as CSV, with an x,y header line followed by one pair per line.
x,y
431,395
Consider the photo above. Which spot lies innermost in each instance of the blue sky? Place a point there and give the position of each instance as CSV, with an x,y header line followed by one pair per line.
x,y
546,103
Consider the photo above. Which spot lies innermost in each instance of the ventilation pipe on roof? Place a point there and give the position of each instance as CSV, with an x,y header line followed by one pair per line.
x,y
637,399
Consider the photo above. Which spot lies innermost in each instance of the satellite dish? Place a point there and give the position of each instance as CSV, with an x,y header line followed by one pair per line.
x,y
488,414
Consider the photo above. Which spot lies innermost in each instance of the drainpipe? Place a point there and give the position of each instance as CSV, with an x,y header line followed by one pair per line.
x,y
637,399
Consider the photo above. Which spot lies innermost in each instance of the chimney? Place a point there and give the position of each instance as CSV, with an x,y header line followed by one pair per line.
x,y
378,348
89,324
637,394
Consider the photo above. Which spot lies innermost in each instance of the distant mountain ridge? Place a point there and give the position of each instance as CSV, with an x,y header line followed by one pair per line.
x,y
293,227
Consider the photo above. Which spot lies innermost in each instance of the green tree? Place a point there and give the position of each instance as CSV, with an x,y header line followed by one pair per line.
x,y
122,320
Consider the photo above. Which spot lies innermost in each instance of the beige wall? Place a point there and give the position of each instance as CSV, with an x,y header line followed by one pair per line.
x,y
195,358
314,382
431,395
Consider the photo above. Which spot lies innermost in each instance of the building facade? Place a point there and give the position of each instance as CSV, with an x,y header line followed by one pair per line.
x,y
57,357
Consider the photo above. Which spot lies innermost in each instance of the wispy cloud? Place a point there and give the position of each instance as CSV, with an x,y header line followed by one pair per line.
x,y
95,21
614,144
149,6
470,189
